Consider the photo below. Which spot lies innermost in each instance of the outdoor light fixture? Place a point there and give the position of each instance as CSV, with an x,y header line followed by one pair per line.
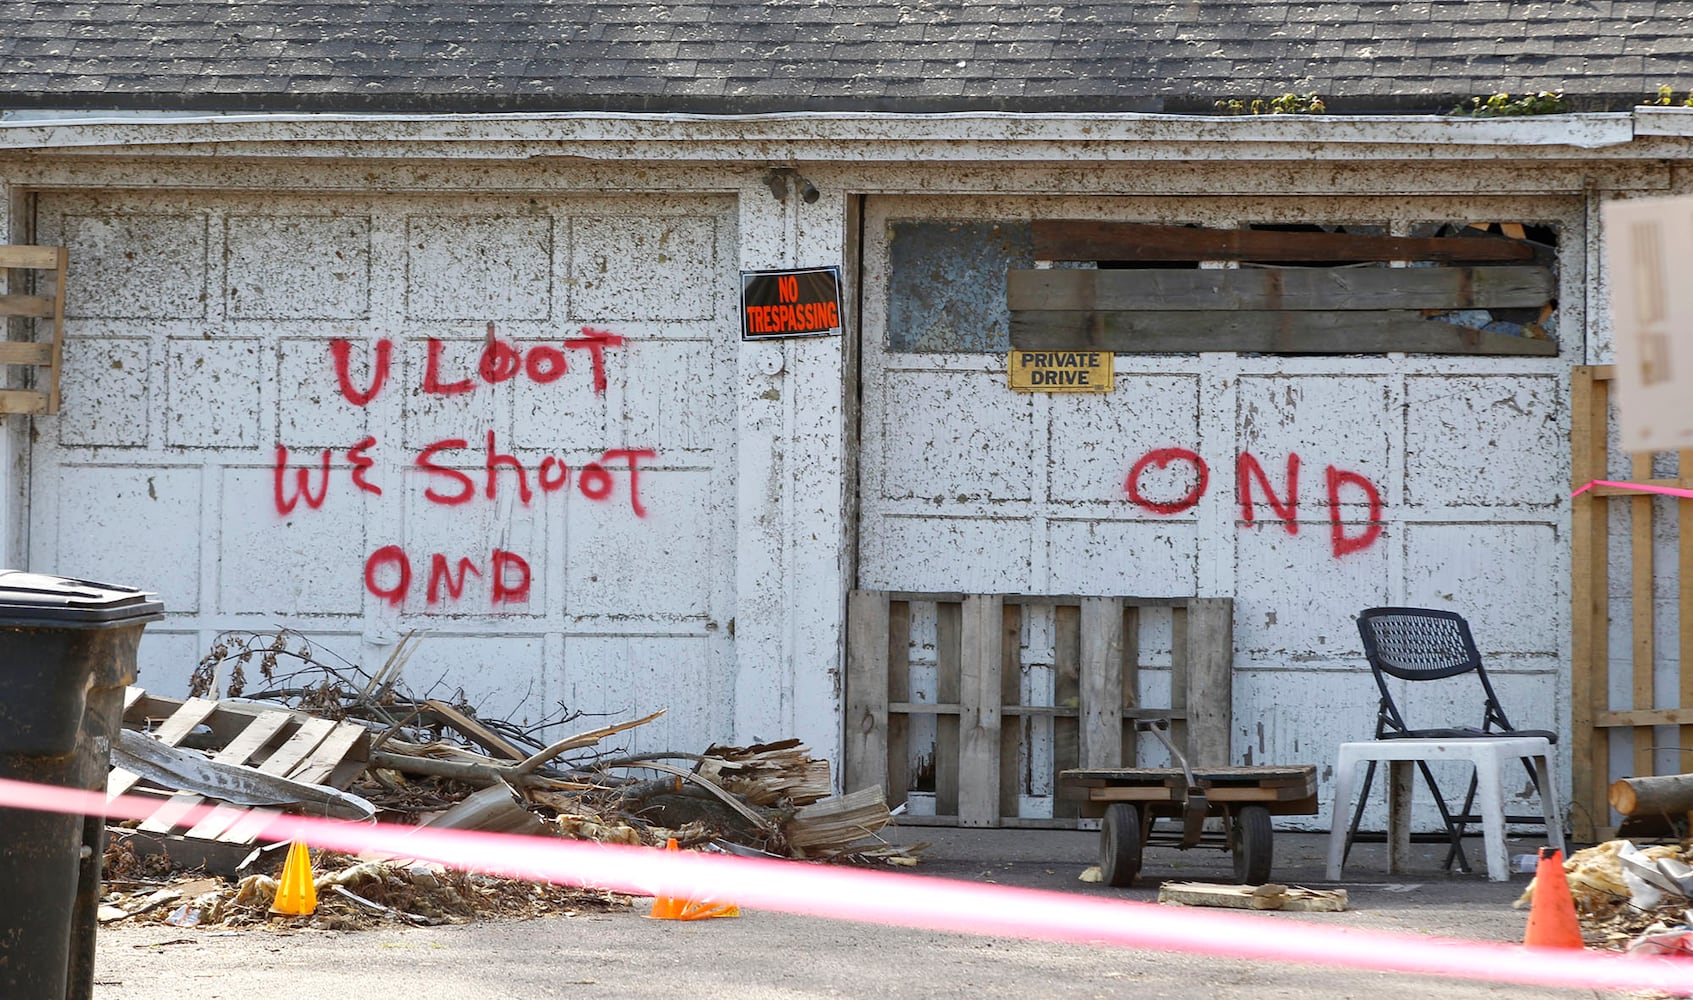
x,y
780,179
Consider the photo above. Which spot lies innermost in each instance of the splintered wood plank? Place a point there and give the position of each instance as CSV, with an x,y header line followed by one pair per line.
x,y
1375,331
949,648
1010,694
865,754
979,715
1643,646
474,731
1101,682
900,774
1087,239
1212,289
171,732
132,695
238,751
62,262
1066,694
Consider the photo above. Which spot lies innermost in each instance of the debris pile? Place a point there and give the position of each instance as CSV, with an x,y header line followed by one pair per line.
x,y
1628,897
323,737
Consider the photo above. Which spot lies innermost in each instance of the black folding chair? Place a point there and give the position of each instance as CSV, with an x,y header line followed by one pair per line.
x,y
1418,644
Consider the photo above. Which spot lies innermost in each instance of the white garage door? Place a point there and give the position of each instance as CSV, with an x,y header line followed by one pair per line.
x,y
500,421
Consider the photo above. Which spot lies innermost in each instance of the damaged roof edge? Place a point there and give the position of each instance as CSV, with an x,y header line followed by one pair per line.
x,y
44,130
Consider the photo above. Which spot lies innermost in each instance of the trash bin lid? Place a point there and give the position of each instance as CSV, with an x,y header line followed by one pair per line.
x,y
35,598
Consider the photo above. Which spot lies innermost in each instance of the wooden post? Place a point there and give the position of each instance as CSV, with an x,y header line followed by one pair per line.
x,y
866,748
1589,567
1210,681
1131,681
1102,682
979,711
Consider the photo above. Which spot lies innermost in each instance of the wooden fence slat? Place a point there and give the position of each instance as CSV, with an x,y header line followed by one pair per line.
x,y
39,258
949,648
1213,289
1102,682
1066,691
865,753
979,718
1375,331
170,732
1210,681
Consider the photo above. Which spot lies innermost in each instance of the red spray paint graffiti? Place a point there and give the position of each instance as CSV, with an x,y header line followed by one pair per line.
x,y
390,572
1248,470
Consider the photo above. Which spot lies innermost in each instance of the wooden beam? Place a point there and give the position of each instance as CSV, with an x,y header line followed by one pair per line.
x,y
865,753
23,401
23,352
1261,331
1010,694
1210,681
979,720
1647,717
1101,682
1211,289
1062,239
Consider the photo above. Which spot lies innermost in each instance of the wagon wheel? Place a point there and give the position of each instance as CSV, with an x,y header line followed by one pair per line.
x,y
1249,840
1119,845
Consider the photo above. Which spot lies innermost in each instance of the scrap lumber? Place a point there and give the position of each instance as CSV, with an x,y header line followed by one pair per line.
x,y
767,774
834,824
187,770
495,809
1270,896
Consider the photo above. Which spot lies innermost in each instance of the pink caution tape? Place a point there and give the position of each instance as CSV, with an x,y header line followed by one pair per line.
x,y
1668,491
924,902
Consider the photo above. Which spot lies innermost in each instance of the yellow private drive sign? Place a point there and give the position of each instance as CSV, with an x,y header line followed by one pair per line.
x,y
1061,371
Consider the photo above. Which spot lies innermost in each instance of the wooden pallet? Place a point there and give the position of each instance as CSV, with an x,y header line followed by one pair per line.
x,y
46,353
276,741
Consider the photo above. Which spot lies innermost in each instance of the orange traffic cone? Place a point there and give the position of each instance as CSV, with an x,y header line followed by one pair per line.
x,y
674,908
296,894
1551,920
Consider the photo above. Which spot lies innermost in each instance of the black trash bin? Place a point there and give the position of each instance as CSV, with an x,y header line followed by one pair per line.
x,y
67,650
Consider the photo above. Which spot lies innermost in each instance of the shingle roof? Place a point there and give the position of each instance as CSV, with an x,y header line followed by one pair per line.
x,y
729,56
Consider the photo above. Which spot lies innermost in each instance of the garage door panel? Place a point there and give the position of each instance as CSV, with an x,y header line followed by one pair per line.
x,y
213,393
136,525
136,265
973,555
1139,558
952,436
1093,438
107,392
619,563
654,672
637,267
297,267
312,411
308,562
671,387
479,267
